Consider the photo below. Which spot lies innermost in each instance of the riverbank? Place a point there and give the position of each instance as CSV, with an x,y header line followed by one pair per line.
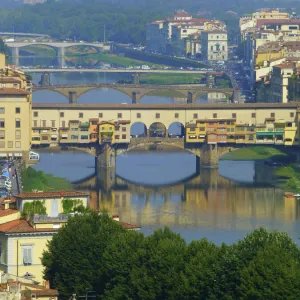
x,y
38,180
288,177
258,153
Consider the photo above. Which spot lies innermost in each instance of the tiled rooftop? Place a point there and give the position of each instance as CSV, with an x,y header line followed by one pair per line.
x,y
13,91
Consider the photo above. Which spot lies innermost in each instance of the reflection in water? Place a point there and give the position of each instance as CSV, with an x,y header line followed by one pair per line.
x,y
203,205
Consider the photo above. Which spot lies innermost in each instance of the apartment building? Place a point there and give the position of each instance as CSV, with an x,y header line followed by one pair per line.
x,y
15,111
214,45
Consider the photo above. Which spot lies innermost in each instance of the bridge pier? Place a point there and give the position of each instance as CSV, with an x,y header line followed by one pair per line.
x,y
60,53
209,156
135,98
190,99
72,97
15,56
105,166
45,79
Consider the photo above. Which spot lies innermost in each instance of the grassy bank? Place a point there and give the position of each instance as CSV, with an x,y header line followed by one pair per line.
x,y
257,153
156,78
38,50
38,180
290,175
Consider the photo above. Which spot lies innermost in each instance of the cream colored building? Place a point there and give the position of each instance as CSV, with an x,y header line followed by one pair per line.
x,y
15,111
214,45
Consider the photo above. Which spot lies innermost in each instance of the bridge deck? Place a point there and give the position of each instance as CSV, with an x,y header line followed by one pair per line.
x,y
224,106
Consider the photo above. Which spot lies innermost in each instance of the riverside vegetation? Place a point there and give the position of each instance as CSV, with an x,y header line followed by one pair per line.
x,y
94,253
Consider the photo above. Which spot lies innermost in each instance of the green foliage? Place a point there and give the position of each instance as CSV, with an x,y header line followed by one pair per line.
x,y
69,205
94,252
38,180
34,207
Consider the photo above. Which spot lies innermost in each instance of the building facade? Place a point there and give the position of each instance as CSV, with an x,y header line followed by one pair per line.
x,y
214,45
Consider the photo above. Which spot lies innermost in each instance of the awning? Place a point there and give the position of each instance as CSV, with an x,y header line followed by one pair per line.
x,y
53,136
64,135
279,133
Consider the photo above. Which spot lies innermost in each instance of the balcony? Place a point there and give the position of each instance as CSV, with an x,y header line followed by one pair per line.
x,y
62,218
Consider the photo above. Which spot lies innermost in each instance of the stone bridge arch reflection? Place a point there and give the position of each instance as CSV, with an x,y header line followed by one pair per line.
x,y
203,199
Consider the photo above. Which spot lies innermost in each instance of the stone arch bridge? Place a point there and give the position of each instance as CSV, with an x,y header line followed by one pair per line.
x,y
135,91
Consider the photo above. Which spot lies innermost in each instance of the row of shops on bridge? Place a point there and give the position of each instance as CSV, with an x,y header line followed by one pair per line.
x,y
209,131
213,131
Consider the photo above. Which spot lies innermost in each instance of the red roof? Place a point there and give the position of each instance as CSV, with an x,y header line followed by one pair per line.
x,y
261,22
129,226
7,212
12,91
51,194
9,80
21,226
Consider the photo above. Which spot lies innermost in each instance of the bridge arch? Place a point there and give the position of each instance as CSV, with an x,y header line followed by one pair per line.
x,y
39,44
157,129
62,97
212,97
82,91
138,129
166,89
176,129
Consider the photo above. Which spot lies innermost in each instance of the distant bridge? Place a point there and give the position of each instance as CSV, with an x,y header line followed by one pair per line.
x,y
135,91
23,34
115,70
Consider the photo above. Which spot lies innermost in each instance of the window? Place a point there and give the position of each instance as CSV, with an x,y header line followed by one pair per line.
x,y
157,116
176,115
223,48
15,85
61,114
3,85
18,110
35,114
138,115
100,115
35,123
124,136
253,115
292,115
2,123
18,144
117,137
10,144
44,123
117,127
18,123
202,128
272,115
63,123
18,134
52,123
27,255
211,47
2,110
2,144
2,134
119,115
215,115
80,115
124,129
234,115
44,138
195,116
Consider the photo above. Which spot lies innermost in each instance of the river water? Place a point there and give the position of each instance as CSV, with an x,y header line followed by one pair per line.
x,y
157,189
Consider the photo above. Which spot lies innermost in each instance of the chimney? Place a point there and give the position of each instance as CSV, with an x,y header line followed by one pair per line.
x,y
6,203
47,284
116,217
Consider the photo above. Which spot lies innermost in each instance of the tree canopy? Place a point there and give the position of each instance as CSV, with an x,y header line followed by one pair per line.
x,y
93,252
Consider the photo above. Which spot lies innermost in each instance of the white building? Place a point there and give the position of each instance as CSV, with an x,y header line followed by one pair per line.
x,y
214,45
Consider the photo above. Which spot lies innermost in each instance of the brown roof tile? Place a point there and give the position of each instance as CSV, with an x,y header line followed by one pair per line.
x,y
9,80
12,91
7,212
51,194
129,226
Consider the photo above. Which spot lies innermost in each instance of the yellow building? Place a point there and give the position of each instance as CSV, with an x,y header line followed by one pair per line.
x,y
55,203
106,132
15,111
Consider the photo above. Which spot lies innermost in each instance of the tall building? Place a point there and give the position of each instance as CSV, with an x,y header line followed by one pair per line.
x,y
214,45
15,111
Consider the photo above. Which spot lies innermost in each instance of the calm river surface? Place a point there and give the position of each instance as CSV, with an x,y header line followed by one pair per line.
x,y
157,189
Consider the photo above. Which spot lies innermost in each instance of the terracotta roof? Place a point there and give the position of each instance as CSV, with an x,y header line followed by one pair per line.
x,y
21,226
51,194
12,91
9,80
7,212
261,22
129,226
40,290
